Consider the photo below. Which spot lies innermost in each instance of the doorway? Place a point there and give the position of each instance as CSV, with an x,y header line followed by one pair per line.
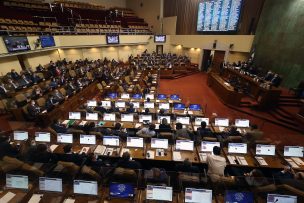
x,y
207,59
159,49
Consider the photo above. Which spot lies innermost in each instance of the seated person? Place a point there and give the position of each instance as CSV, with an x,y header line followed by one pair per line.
x,y
33,110
70,89
40,68
25,82
50,103
119,131
146,112
3,91
131,109
36,93
58,96
182,133
252,135
35,78
41,154
286,173
53,84
186,167
203,131
126,162
156,176
58,127
255,178
147,132
100,108
276,80
14,74
12,85
232,131
164,126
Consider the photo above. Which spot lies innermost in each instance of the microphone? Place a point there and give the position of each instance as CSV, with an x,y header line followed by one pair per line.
x,y
276,200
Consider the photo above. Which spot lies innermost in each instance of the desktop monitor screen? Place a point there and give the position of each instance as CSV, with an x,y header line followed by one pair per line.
x,y
17,181
221,122
239,197
65,138
276,198
238,148
92,116
159,143
160,118
112,95
112,38
87,139
136,105
165,106
120,104
109,117
198,120
208,146
135,142
85,187
111,140
265,150
136,96
20,135
161,96
179,106
242,123
47,41
149,105
106,103
151,96
186,145
159,38
125,96
194,195
92,103
195,107
295,151
159,193
15,44
121,190
145,118
183,120
42,137
74,115
127,117
174,97
50,184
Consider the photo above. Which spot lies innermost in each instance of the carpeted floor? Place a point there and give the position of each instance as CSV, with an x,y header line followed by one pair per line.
x,y
194,89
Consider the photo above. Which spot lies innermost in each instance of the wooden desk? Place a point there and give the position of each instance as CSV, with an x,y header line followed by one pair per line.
x,y
166,157
20,195
298,167
250,160
273,161
136,153
144,200
191,155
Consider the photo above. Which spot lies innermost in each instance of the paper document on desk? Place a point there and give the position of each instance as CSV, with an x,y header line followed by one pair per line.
x,y
7,197
35,198
203,157
69,201
177,156
231,159
53,147
151,154
242,160
293,164
157,126
65,122
297,160
123,150
137,125
100,149
261,161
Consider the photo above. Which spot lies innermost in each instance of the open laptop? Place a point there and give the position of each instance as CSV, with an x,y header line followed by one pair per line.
x,y
160,118
92,116
239,197
195,107
174,97
199,120
242,123
136,105
106,104
121,190
110,140
159,193
74,115
221,122
85,187
179,106
276,198
50,184
120,104
195,195
237,148
127,117
184,145
17,181
136,96
112,95
149,105
64,138
145,118
125,96
161,97
265,150
183,120
135,142
151,96
20,135
165,106
109,117
293,151
87,139
207,146
157,143
92,103
42,137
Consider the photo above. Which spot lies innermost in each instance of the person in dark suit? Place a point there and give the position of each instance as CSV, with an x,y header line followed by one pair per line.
x,y
33,110
70,156
125,162
164,126
58,96
203,131
131,109
40,68
58,127
50,103
15,76
53,84
40,154
100,108
119,131
36,93
13,86
35,78
70,88
3,91
187,167
276,80
25,82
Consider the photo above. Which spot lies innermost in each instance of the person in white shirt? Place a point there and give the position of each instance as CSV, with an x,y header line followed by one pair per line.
x,y
147,132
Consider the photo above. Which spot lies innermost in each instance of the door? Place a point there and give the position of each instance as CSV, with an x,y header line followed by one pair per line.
x,y
159,49
206,60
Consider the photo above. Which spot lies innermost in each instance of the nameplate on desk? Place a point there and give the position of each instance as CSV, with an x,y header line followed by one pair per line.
x,y
35,198
261,161
7,197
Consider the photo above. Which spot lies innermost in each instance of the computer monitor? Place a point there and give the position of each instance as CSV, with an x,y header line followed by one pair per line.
x,y
179,106
207,146
239,197
112,95
268,150
74,115
127,117
198,121
50,184
184,145
92,116
111,140
92,103
224,122
195,107
242,123
85,187
125,96
183,120
121,190
120,104
42,137
149,105
161,96
174,97
135,142
238,148
106,103
160,118
137,96
276,198
195,195
151,96
109,117
159,143
87,139
65,138
20,135
294,151
136,105
145,118
165,106
17,181
159,193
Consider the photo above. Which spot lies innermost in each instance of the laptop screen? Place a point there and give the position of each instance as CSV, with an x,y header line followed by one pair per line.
x,y
159,143
295,151
112,95
120,104
194,195
174,97
143,118
183,120
50,184
121,190
106,103
239,148
92,103
135,142
160,118
74,115
109,117
265,149
111,140
198,120
195,107
17,181
179,107
125,96
276,198
136,105
186,145
127,117
65,138
151,96
208,146
165,106
242,123
42,137
240,197
20,135
85,187
137,96
161,96
92,116
87,139
159,193
149,105
221,122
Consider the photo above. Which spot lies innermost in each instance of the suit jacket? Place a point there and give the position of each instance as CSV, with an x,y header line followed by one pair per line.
x,y
33,111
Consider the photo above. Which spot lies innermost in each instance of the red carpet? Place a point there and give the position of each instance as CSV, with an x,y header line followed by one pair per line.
x,y
194,89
